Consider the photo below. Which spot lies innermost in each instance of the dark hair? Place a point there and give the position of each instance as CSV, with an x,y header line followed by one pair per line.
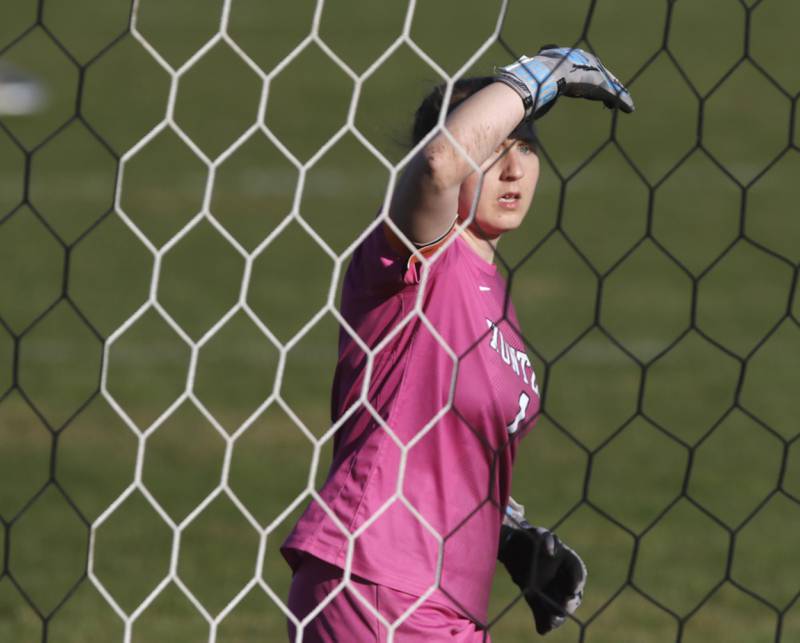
x,y
427,115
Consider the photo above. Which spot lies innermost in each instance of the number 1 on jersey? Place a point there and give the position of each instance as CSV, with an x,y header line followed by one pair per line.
x,y
524,399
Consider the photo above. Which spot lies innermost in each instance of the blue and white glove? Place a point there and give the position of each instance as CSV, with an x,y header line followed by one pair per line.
x,y
550,574
557,71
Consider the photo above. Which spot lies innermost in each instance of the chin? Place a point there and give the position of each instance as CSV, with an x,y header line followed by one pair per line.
x,y
508,221
494,221
497,228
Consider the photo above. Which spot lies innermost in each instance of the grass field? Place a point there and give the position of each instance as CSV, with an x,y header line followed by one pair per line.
x,y
656,280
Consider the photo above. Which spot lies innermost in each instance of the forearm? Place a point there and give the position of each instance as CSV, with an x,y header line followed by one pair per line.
x,y
479,125
426,196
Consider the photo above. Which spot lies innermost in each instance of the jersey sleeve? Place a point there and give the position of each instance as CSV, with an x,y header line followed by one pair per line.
x,y
413,260
382,264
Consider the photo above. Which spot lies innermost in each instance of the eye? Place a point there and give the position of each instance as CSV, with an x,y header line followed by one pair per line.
x,y
525,148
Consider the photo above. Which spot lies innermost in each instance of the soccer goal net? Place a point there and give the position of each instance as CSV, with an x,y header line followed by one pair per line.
x,y
178,209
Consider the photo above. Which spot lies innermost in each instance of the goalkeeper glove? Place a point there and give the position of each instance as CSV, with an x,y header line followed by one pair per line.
x,y
554,71
550,574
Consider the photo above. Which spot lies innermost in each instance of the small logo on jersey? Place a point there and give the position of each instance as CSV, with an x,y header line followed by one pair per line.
x,y
516,360
484,288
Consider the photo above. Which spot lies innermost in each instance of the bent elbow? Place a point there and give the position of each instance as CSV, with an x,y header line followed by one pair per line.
x,y
440,167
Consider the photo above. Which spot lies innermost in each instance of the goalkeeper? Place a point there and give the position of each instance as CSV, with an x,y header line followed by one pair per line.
x,y
462,418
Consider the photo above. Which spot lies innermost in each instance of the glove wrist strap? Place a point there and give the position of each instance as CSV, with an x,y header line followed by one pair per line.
x,y
518,86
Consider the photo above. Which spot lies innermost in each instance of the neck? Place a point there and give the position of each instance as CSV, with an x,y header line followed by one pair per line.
x,y
484,247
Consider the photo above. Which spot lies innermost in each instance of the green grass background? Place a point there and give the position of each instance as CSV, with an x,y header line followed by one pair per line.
x,y
667,455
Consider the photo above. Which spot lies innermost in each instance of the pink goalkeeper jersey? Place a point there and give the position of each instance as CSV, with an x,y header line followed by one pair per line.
x,y
458,474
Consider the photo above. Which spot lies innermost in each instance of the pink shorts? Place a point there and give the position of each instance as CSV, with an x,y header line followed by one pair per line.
x,y
346,619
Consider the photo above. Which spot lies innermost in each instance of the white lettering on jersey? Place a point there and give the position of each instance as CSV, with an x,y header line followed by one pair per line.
x,y
505,351
523,360
516,360
495,331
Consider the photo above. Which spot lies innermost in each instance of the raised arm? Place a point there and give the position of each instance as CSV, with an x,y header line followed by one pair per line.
x,y
426,197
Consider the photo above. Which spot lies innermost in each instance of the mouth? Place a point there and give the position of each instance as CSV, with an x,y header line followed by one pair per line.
x,y
509,199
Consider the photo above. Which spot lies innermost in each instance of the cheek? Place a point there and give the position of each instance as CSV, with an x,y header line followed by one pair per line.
x,y
533,169
532,174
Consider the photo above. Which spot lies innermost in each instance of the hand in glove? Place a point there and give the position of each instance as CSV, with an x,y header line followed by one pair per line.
x,y
550,574
557,71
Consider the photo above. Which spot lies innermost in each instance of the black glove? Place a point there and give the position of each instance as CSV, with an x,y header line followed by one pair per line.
x,y
550,574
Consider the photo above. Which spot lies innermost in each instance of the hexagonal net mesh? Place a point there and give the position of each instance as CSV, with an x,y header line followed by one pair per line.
x,y
182,193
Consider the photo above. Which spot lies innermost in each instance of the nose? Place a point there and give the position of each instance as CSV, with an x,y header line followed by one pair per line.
x,y
512,168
